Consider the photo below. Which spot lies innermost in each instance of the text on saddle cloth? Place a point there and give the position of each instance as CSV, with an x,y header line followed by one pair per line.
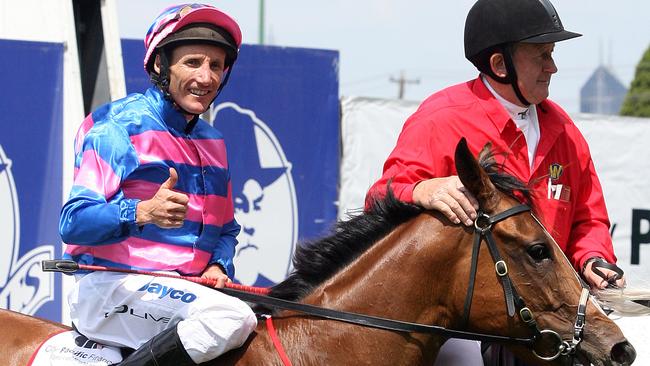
x,y
73,349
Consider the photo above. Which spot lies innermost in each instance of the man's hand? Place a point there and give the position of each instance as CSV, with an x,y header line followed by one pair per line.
x,y
214,272
167,209
596,281
449,196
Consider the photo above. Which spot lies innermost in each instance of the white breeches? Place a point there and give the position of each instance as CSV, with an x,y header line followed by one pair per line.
x,y
126,310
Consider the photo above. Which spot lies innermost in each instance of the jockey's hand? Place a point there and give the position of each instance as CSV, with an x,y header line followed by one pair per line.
x,y
215,272
596,281
449,196
167,209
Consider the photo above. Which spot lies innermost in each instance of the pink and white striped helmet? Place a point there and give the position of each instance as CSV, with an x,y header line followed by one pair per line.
x,y
176,17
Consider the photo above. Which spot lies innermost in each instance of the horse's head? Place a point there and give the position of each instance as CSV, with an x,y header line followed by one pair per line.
x,y
536,269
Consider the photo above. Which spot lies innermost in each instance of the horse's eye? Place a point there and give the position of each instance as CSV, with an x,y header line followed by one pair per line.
x,y
538,252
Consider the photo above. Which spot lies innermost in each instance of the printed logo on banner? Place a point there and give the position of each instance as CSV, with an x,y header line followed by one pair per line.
x,y
23,286
264,196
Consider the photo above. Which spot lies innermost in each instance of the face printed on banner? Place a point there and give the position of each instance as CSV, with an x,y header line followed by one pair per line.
x,y
248,210
263,194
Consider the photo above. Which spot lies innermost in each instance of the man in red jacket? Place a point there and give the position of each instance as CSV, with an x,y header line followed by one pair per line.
x,y
511,43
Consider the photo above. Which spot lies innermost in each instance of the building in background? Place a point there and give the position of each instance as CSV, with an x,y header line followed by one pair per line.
x,y
603,93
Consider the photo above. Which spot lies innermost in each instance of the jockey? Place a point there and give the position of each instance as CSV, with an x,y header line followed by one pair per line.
x,y
152,192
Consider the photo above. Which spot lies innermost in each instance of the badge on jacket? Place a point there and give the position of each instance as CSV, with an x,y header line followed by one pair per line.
x,y
557,191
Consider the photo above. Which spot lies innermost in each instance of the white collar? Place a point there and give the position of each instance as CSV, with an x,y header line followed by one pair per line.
x,y
516,112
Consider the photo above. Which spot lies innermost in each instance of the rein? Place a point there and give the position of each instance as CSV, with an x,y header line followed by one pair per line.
x,y
483,226
259,295
369,320
482,230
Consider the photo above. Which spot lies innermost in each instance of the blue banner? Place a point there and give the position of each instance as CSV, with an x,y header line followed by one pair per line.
x,y
280,117
30,175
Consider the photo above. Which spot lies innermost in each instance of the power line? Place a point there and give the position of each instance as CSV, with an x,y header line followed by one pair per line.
x,y
402,80
367,79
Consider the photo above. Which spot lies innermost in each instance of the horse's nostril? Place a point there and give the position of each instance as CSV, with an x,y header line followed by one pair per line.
x,y
623,353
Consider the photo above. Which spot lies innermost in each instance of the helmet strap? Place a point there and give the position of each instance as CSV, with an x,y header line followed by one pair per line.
x,y
161,79
482,62
226,77
512,73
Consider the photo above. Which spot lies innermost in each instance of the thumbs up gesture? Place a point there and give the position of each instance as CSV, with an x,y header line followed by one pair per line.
x,y
167,208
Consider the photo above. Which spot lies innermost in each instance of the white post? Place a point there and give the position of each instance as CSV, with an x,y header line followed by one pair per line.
x,y
113,50
73,114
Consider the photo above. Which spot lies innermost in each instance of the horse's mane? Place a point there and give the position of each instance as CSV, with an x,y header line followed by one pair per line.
x,y
316,261
503,181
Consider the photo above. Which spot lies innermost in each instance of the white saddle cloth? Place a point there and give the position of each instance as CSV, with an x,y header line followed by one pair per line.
x,y
73,349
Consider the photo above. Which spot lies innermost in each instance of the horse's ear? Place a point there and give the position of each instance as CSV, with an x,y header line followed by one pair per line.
x,y
474,178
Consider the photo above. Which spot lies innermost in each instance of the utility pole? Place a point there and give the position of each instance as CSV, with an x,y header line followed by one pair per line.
x,y
402,81
261,22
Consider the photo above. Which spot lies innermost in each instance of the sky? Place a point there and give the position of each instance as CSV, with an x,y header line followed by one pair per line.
x,y
378,40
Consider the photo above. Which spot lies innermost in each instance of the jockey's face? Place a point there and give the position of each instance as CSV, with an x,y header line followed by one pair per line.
x,y
195,73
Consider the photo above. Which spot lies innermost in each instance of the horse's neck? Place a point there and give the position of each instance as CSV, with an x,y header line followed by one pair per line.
x,y
405,276
407,268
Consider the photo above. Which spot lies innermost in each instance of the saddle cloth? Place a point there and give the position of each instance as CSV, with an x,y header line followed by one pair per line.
x,y
70,348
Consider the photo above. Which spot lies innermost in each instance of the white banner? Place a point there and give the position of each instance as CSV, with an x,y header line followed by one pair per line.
x,y
369,130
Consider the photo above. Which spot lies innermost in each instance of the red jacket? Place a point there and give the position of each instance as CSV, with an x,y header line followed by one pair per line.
x,y
575,215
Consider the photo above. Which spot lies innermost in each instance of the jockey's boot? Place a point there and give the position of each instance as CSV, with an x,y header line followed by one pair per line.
x,y
164,349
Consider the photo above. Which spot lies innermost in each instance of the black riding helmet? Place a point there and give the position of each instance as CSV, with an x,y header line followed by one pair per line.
x,y
495,25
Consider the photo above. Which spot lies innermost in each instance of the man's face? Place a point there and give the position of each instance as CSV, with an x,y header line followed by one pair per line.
x,y
195,73
534,64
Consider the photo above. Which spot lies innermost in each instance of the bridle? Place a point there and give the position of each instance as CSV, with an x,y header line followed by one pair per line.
x,y
482,230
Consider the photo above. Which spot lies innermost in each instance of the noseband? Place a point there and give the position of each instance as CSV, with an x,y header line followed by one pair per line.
x,y
514,302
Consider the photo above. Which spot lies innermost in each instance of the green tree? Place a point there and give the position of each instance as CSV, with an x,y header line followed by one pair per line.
x,y
637,100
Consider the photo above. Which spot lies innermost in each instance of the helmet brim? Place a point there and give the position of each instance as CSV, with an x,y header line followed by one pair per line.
x,y
203,33
552,37
212,16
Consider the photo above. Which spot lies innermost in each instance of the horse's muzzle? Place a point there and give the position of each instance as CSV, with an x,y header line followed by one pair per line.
x,y
623,353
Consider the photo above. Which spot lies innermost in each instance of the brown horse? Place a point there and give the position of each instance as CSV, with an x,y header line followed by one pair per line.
x,y
400,262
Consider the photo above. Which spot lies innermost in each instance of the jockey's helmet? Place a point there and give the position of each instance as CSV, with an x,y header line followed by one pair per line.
x,y
192,23
189,24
